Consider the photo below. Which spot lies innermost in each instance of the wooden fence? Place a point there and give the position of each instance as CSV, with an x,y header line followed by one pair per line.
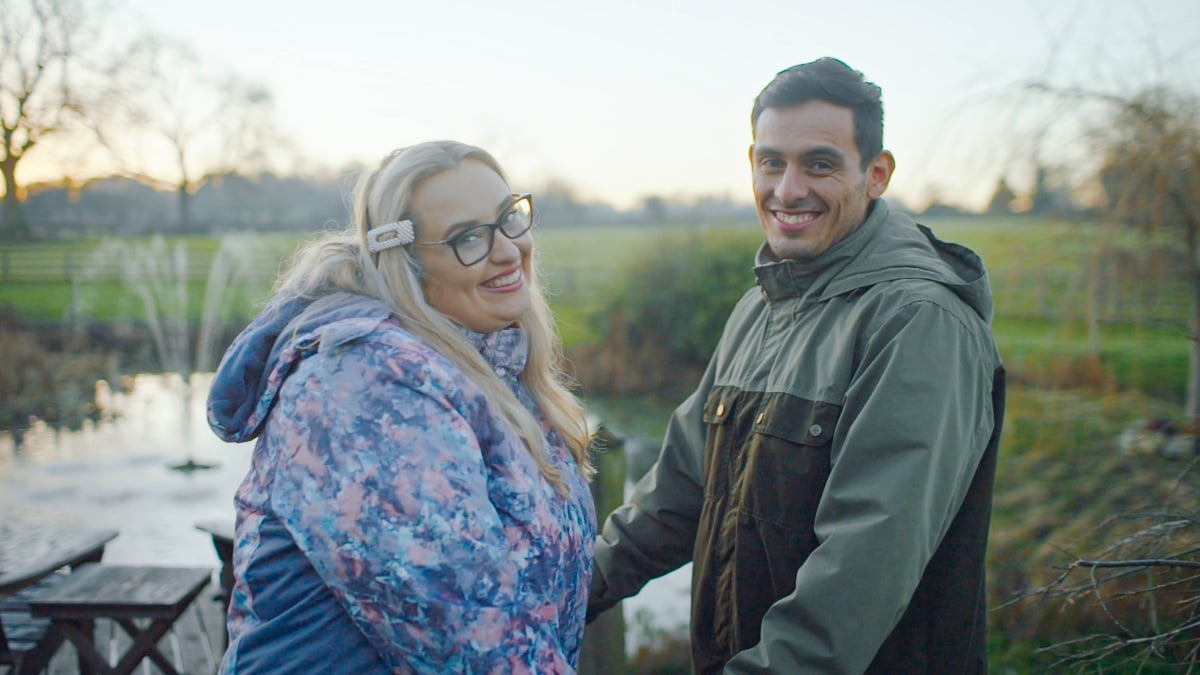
x,y
42,265
59,265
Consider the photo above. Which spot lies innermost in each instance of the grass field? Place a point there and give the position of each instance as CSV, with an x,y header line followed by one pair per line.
x,y
1039,275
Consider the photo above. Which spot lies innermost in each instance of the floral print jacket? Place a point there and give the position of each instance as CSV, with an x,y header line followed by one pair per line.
x,y
390,520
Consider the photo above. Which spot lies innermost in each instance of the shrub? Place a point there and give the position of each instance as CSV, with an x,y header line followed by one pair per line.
x,y
664,320
53,382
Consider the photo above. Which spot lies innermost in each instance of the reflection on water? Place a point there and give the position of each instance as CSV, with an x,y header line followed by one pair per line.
x,y
116,474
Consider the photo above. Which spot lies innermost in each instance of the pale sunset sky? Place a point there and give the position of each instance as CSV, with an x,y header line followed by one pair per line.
x,y
627,98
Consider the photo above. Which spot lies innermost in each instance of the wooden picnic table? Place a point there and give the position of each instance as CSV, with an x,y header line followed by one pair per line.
x,y
25,560
29,558
123,593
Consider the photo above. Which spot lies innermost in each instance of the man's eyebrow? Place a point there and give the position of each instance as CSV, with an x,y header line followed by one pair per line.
x,y
760,150
824,152
818,152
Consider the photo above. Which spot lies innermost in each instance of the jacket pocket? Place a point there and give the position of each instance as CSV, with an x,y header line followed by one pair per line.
x,y
787,461
720,439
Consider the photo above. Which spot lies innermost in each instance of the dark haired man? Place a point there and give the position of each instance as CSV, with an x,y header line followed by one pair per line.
x,y
831,476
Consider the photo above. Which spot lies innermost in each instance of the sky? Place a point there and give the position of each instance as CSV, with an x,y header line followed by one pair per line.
x,y
627,98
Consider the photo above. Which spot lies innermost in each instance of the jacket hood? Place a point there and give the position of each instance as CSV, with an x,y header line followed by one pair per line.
x,y
290,328
888,247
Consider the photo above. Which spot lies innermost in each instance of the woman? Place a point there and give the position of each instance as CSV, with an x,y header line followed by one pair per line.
x,y
417,499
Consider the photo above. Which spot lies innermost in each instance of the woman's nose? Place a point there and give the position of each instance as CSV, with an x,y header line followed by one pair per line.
x,y
505,250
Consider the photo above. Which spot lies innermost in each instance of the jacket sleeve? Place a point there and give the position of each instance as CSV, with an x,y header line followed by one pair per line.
x,y
654,532
916,420
381,481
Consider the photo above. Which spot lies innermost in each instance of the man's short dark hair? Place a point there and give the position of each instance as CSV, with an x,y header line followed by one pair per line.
x,y
830,80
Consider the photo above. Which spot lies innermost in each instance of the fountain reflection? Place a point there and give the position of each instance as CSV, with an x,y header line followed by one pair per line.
x,y
114,473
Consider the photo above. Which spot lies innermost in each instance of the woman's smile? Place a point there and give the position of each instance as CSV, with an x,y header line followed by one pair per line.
x,y
502,282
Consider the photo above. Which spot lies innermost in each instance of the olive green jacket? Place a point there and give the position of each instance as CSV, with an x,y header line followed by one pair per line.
x,y
831,476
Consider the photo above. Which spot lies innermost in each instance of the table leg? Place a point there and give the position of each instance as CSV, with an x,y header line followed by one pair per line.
x,y
145,645
38,660
88,628
224,548
82,634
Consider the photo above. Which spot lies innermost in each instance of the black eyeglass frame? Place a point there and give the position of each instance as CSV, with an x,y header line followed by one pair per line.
x,y
491,228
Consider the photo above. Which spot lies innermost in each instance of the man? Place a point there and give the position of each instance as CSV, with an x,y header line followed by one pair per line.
x,y
831,476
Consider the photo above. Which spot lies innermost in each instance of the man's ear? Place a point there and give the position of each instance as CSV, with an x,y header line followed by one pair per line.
x,y
879,174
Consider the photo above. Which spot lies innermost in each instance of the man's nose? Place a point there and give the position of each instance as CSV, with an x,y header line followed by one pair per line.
x,y
793,186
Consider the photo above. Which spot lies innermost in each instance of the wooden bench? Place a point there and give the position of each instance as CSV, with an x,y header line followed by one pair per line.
x,y
222,532
157,596
29,565
26,643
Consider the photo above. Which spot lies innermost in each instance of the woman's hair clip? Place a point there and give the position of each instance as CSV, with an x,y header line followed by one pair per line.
x,y
405,235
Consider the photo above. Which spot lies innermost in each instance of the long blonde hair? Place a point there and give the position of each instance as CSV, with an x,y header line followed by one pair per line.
x,y
340,261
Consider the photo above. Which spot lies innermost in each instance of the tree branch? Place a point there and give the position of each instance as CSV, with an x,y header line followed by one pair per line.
x,y
1149,562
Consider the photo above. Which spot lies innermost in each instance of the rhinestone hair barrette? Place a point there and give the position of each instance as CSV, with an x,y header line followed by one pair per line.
x,y
403,229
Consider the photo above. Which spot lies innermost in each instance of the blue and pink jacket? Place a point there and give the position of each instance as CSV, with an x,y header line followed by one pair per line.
x,y
390,520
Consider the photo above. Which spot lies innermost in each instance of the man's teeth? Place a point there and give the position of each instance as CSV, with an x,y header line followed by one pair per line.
x,y
795,218
504,280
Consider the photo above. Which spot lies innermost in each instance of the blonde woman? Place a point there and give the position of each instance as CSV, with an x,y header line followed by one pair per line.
x,y
417,499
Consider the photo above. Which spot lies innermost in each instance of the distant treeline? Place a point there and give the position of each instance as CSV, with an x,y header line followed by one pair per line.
x,y
231,202
268,202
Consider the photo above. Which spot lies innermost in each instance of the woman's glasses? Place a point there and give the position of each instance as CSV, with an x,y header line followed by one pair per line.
x,y
475,243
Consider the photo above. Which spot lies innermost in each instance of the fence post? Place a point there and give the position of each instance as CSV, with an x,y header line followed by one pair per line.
x,y
603,651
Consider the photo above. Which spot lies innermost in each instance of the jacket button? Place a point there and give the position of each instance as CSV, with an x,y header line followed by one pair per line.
x,y
720,409
761,416
815,430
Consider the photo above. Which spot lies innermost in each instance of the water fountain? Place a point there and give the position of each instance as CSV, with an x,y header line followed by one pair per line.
x,y
158,274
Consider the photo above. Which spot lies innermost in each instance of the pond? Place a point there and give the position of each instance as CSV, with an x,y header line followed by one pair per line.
x,y
118,474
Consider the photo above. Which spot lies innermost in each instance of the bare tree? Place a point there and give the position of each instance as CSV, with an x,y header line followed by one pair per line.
x,y
1148,144
1002,199
41,43
185,126
1151,176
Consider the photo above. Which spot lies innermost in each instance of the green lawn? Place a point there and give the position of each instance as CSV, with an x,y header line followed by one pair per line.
x,y
1037,271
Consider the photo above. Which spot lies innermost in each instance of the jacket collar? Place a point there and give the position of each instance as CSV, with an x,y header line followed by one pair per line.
x,y
505,350
783,279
